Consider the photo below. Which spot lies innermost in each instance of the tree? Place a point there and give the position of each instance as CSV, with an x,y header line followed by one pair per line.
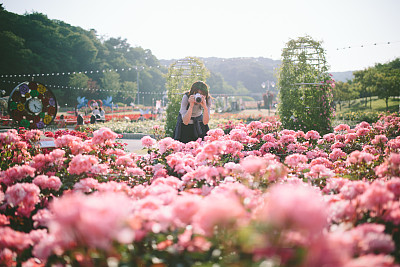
x,y
387,84
130,90
110,84
343,91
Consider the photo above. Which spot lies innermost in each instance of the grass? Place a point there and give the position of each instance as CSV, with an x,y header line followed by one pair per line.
x,y
376,104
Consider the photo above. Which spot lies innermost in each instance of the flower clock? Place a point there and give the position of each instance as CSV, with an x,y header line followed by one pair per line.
x,y
32,105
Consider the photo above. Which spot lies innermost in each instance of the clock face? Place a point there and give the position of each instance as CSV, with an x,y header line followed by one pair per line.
x,y
35,105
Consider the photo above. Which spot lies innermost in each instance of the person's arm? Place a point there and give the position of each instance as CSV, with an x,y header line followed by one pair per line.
x,y
206,112
188,115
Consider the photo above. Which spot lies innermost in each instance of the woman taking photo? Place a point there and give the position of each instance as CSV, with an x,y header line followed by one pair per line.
x,y
194,114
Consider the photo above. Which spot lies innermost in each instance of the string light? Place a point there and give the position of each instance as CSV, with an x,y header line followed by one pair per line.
x,y
80,72
366,45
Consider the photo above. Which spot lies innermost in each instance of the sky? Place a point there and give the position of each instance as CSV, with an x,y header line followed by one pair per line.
x,y
356,34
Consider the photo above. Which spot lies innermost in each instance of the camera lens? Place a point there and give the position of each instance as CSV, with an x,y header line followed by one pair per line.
x,y
198,98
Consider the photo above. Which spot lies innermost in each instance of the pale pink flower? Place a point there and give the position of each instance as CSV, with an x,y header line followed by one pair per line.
x,y
362,131
170,181
57,156
253,164
82,164
333,185
24,196
379,139
169,143
11,136
214,134
238,135
217,210
393,185
101,169
41,217
350,137
342,127
184,208
125,160
147,141
79,147
102,135
4,220
359,157
320,171
341,210
94,220
330,137
45,182
312,135
134,171
268,138
372,260
336,154
353,189
66,140
33,135
371,238
286,139
16,173
392,213
86,185
12,239
213,149
296,160
321,160
337,145
376,196
192,243
296,212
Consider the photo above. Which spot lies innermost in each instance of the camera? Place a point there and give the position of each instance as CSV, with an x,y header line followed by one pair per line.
x,y
198,98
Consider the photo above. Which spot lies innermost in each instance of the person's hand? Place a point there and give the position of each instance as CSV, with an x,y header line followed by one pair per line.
x,y
203,102
192,100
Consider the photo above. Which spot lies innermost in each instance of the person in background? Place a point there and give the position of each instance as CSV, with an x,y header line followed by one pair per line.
x,y
79,119
62,123
194,114
102,114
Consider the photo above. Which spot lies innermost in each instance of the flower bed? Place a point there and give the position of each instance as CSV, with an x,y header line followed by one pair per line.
x,y
258,196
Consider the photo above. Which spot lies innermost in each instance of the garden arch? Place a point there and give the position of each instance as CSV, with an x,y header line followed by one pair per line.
x,y
181,75
305,87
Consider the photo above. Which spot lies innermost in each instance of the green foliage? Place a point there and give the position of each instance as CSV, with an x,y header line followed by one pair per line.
x,y
344,91
305,87
382,80
34,44
181,75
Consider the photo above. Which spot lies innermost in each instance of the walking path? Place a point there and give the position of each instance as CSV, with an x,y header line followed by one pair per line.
x,y
132,140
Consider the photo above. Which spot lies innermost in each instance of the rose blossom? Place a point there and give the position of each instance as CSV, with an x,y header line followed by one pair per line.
x,y
296,212
91,220
24,196
147,141
82,164
43,181
102,135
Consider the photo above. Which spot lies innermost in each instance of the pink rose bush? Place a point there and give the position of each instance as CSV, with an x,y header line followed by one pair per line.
x,y
256,195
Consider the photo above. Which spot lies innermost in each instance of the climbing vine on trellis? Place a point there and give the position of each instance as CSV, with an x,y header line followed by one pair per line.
x,y
181,75
305,87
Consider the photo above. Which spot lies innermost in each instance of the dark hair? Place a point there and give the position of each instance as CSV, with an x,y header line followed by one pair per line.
x,y
62,117
200,86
